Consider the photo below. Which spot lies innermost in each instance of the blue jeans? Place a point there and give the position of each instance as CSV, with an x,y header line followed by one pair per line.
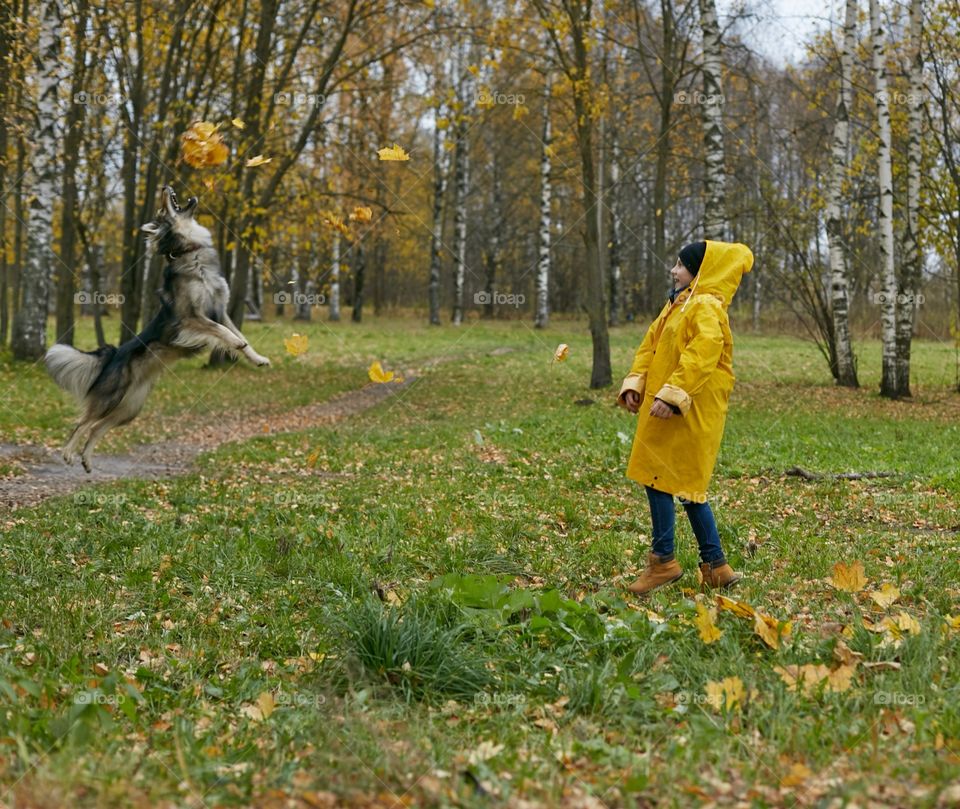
x,y
701,520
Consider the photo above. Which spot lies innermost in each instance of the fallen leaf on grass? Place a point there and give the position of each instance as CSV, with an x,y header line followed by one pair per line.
x,y
807,678
705,624
886,595
797,775
727,693
562,352
381,377
849,578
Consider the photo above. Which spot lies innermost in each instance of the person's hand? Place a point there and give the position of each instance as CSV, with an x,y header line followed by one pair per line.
x,y
632,400
661,409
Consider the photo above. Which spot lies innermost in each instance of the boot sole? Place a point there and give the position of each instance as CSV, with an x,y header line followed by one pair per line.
x,y
662,584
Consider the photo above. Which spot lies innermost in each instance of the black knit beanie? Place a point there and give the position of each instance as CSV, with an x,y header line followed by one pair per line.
x,y
692,255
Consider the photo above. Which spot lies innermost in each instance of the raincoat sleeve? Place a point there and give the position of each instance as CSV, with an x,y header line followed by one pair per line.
x,y
636,379
698,359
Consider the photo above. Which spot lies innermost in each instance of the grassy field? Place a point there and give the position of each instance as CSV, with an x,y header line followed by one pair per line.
x,y
423,605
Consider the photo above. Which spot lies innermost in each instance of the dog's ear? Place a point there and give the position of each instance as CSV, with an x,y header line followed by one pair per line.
x,y
150,227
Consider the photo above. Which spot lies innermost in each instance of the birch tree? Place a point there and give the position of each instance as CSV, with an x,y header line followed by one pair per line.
x,y
461,180
542,316
714,217
29,336
440,163
888,298
909,287
843,362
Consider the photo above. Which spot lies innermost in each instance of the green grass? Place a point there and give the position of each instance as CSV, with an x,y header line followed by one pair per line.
x,y
430,594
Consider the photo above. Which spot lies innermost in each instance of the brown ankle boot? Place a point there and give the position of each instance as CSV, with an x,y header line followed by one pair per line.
x,y
656,574
722,576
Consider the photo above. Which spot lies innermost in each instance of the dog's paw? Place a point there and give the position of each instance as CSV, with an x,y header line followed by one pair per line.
x,y
68,458
86,465
261,361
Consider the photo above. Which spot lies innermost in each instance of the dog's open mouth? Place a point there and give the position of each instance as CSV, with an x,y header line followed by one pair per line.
x,y
173,204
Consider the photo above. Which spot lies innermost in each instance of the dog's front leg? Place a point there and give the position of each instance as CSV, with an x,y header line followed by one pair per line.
x,y
248,352
203,331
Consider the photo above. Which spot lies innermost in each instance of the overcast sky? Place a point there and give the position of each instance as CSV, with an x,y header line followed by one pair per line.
x,y
780,28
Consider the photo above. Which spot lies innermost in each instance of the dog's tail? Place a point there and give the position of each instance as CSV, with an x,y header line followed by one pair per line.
x,y
76,371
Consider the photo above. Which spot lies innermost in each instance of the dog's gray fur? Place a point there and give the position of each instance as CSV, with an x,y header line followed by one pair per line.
x,y
113,383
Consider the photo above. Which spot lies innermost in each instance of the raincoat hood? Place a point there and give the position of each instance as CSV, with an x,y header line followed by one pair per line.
x,y
723,266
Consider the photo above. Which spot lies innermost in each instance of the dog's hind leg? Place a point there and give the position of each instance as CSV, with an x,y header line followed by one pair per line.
x,y
69,451
96,433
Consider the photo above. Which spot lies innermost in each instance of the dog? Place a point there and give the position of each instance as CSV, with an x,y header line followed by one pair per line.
x,y
112,383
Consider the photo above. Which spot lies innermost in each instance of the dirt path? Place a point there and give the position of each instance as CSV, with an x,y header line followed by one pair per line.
x,y
44,473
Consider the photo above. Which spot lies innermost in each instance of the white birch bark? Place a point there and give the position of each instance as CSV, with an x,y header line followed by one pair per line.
x,y
542,317
888,300
909,288
616,229
714,217
334,311
29,335
436,235
845,369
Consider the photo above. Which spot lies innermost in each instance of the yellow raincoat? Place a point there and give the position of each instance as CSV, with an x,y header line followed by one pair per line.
x,y
686,359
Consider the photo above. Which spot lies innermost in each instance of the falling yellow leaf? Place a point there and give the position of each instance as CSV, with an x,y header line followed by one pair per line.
x,y
562,352
727,693
886,595
259,160
362,214
392,153
201,145
238,123
334,221
378,375
296,344
209,183
704,623
312,458
849,578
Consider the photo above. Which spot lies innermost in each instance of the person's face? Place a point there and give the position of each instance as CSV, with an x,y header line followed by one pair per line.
x,y
681,275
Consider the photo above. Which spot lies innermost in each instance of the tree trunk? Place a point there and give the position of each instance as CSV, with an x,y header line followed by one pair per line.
x,y
131,278
714,217
29,339
542,317
461,180
436,233
844,365
335,278
888,300
616,275
494,253
358,273
909,288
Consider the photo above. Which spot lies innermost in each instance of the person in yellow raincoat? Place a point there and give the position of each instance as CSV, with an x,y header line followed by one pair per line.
x,y
679,385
